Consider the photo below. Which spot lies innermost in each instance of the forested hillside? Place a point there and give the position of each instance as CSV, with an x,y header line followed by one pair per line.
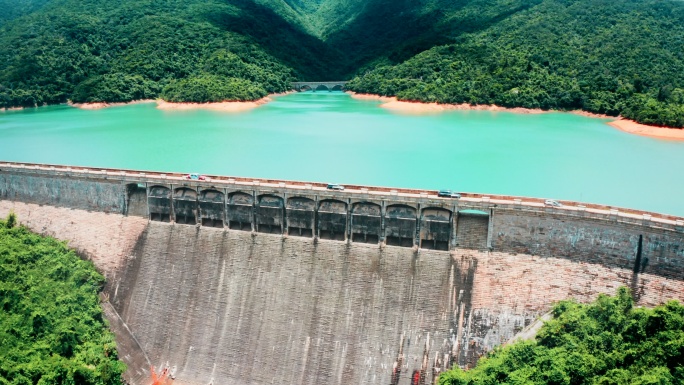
x,y
99,50
624,57
615,57
51,325
609,342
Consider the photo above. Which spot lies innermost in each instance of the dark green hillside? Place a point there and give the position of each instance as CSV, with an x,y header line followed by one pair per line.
x,y
51,325
11,9
624,57
99,50
609,342
391,31
615,57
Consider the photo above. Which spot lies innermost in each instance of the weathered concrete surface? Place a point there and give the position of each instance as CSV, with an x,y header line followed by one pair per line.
x,y
76,193
106,239
236,308
260,309
611,244
232,307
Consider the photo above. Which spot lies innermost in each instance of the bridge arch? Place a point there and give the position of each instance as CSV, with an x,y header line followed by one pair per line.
x,y
185,205
159,203
332,220
212,209
301,215
270,215
435,228
327,85
400,225
366,222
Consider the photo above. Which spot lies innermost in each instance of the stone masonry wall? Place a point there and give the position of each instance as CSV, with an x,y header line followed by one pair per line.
x,y
106,239
230,307
234,307
610,244
84,194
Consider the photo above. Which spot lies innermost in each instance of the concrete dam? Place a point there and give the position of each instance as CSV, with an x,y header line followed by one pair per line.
x,y
252,281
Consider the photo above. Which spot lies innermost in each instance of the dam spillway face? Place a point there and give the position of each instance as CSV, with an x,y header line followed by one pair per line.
x,y
259,309
233,281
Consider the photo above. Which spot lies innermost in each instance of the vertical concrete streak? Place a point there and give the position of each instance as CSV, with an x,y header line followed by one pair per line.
x,y
236,308
290,311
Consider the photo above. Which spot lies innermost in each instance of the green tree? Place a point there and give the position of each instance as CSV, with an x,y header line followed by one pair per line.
x,y
608,342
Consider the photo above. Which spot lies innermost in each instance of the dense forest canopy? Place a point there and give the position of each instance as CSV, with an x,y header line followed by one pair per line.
x,y
615,57
609,342
52,329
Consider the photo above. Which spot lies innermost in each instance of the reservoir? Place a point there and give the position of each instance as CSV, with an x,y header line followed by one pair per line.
x,y
330,137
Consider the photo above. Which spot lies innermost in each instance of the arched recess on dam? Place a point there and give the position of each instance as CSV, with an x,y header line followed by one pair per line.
x,y
400,225
159,203
332,220
366,222
270,214
240,211
472,229
212,208
136,199
435,228
185,206
301,215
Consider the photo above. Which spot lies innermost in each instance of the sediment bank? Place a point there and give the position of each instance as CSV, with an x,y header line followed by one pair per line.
x,y
635,128
100,105
221,106
622,124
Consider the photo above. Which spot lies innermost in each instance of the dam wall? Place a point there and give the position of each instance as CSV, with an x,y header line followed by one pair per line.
x,y
234,281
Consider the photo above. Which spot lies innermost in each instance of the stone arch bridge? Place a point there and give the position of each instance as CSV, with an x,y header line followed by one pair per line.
x,y
314,86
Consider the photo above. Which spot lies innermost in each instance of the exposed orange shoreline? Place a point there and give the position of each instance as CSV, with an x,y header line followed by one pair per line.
x,y
164,105
622,124
97,106
222,106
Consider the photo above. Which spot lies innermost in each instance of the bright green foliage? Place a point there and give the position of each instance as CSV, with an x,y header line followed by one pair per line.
x,y
619,57
208,88
51,325
97,50
114,88
608,342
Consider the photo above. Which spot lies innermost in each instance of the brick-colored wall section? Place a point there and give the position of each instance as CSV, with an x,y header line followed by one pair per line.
x,y
232,307
235,308
106,239
471,231
602,242
510,290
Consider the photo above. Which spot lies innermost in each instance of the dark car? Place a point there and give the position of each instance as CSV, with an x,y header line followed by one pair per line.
x,y
335,186
448,194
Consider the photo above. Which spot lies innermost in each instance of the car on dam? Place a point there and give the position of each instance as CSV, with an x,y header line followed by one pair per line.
x,y
195,176
448,194
552,202
335,186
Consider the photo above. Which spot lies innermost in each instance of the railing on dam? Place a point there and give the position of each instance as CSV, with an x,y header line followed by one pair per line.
x,y
367,214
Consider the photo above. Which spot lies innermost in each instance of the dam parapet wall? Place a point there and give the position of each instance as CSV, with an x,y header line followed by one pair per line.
x,y
401,217
249,281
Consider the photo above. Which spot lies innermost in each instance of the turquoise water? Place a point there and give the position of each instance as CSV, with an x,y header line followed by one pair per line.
x,y
330,137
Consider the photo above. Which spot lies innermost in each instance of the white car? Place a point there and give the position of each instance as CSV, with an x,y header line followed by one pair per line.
x,y
554,203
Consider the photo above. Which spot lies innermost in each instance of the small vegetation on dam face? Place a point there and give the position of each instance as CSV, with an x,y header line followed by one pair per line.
x,y
51,325
608,342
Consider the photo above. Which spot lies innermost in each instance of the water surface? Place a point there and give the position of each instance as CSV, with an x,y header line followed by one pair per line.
x,y
330,137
